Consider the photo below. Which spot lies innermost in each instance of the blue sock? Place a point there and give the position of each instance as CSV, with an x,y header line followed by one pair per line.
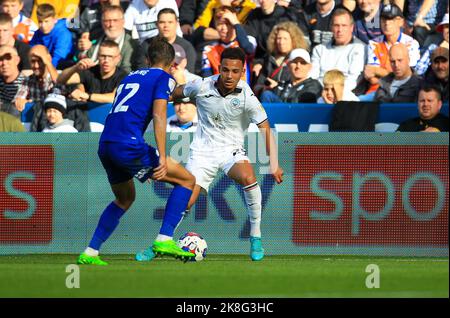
x,y
106,225
175,207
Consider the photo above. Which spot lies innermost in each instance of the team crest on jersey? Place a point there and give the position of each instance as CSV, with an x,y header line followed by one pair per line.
x,y
235,103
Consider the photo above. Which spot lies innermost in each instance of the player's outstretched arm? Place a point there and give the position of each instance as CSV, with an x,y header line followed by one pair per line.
x,y
177,93
159,125
271,150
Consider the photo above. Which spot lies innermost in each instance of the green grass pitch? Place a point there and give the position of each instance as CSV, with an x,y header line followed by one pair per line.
x,y
228,276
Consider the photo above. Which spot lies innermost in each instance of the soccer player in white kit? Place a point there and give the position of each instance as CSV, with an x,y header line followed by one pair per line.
x,y
226,106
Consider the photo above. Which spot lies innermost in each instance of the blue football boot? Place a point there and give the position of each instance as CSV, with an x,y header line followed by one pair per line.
x,y
256,249
145,255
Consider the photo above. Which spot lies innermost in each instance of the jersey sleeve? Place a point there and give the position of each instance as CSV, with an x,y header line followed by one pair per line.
x,y
254,108
165,86
192,88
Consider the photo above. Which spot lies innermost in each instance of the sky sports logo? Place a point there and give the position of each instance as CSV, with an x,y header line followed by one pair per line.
x,y
390,195
26,194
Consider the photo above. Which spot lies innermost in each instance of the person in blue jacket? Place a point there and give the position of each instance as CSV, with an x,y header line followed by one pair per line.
x,y
53,34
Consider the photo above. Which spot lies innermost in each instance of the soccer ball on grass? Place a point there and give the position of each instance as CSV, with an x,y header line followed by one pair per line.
x,y
194,243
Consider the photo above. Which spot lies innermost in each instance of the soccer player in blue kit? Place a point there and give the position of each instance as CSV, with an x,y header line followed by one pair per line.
x,y
141,97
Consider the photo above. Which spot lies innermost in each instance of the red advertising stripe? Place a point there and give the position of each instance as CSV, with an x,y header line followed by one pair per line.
x,y
26,194
371,195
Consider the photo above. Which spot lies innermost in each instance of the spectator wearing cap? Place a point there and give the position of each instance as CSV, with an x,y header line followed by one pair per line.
x,y
10,79
55,108
301,88
167,27
367,20
179,70
438,73
185,118
422,16
344,52
273,70
400,86
378,63
425,61
430,119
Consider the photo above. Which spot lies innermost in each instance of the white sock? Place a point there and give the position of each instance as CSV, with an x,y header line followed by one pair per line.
x,y
163,238
90,251
253,199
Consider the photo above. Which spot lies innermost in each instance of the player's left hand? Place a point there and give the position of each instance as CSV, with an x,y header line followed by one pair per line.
x,y
278,175
160,171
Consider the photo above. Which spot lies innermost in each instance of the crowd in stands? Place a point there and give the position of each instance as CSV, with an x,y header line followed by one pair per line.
x,y
62,56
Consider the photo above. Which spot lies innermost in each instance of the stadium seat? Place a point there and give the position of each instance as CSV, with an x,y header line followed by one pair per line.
x,y
96,127
26,125
386,127
286,127
98,112
318,128
27,113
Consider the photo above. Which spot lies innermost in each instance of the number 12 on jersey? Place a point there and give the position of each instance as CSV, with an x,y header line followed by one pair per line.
x,y
121,107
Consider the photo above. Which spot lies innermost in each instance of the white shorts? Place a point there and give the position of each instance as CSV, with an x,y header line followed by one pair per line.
x,y
205,166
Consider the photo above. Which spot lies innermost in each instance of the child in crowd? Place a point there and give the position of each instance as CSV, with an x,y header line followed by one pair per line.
x,y
55,108
334,89
53,34
24,28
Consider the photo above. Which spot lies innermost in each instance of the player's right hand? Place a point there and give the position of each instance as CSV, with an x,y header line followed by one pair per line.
x,y
278,175
160,171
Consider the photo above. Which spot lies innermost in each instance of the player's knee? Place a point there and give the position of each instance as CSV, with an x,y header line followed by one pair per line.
x,y
190,182
125,203
248,179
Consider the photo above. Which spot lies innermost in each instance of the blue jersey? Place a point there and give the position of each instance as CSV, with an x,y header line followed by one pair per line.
x,y
132,109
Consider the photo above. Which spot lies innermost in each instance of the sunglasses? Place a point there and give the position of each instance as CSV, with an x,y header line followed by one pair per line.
x,y
6,57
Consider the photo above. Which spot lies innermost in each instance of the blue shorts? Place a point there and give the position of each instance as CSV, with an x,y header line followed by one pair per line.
x,y
122,162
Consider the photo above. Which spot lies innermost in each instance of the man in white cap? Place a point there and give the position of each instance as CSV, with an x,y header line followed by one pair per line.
x,y
185,118
55,108
179,69
437,75
302,88
423,66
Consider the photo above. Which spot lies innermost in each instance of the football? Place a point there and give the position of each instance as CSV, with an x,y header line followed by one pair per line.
x,y
194,243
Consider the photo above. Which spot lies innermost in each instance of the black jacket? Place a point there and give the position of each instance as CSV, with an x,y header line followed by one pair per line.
x,y
407,93
431,79
273,71
306,92
440,122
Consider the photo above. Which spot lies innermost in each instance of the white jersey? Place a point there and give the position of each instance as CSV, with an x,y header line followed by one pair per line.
x,y
142,17
222,121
